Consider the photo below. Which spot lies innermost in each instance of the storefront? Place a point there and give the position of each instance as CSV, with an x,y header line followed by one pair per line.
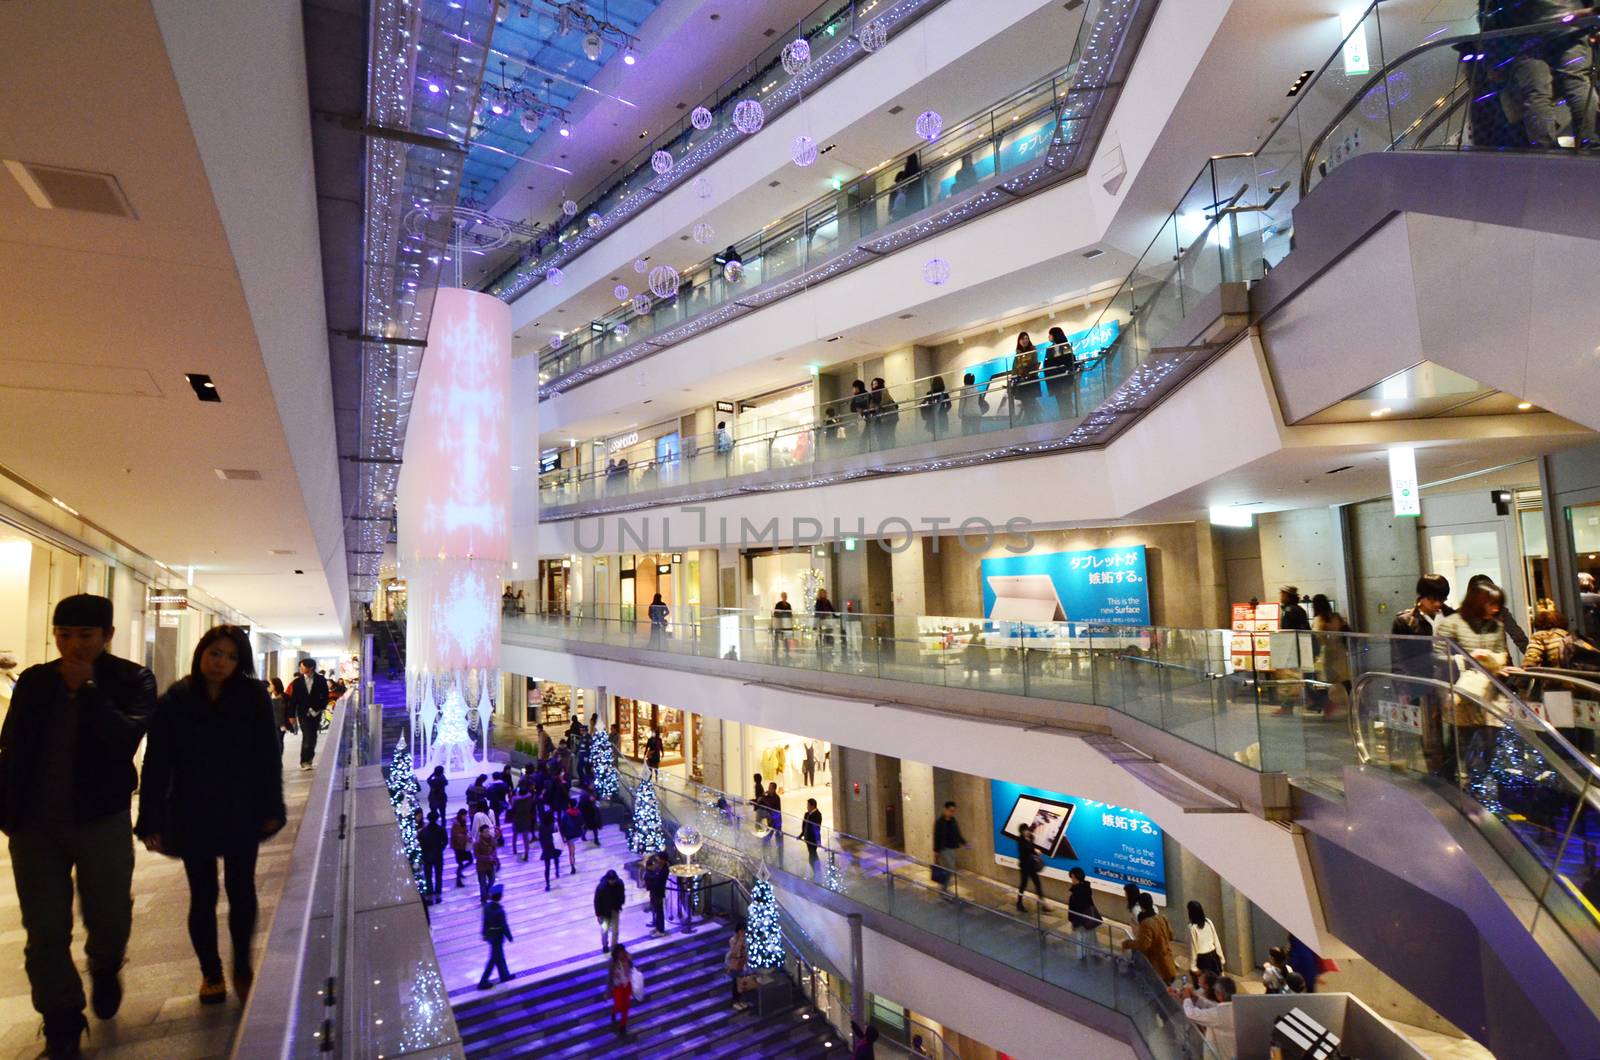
x,y
682,735
775,430
802,768
34,575
642,459
796,571
553,705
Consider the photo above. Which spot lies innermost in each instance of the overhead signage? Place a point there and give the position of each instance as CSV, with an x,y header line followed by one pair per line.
x,y
1101,585
1112,844
169,600
623,441
550,460
1353,28
724,406
1403,480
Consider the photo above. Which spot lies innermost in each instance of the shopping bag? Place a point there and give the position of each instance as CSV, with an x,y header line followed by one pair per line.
x,y
637,981
748,982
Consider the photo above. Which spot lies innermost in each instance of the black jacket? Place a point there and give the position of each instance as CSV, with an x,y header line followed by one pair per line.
x,y
1081,910
610,896
495,926
213,776
308,705
433,839
947,834
655,880
114,710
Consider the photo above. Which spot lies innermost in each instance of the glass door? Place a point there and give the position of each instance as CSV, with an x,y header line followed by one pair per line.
x,y
1463,550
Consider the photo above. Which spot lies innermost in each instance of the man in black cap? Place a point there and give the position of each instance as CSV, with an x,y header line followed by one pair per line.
x,y
66,781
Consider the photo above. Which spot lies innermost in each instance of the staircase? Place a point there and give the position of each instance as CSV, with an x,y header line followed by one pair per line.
x,y
687,1011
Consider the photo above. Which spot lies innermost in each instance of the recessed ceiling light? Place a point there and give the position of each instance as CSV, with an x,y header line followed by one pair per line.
x,y
1380,412
1524,405
203,387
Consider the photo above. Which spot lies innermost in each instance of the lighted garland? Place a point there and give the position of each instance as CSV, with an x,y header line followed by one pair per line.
x,y
603,759
403,790
763,937
646,836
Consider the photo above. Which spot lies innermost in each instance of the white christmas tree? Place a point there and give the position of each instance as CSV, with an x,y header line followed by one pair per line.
x,y
763,938
646,835
603,757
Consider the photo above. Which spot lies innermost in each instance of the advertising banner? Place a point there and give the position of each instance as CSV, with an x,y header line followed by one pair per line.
x,y
1100,585
1112,844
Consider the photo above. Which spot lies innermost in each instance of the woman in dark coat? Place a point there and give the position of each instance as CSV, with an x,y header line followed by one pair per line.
x,y
571,826
213,788
438,790
549,848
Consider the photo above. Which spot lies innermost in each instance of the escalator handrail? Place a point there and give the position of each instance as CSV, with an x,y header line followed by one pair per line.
x,y
1590,18
1587,786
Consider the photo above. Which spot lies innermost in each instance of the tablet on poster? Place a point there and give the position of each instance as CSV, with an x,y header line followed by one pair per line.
x,y
1112,844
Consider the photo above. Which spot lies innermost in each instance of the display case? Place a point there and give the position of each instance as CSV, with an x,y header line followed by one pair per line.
x,y
637,719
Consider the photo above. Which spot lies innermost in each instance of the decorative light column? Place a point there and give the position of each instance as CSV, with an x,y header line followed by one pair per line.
x,y
453,540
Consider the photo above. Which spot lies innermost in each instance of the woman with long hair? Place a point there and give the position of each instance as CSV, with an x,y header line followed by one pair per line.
x,y
282,716
1204,944
658,620
213,788
1477,630
620,980
1024,384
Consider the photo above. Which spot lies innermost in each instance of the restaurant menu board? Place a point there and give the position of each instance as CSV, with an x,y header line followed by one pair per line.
x,y
1253,626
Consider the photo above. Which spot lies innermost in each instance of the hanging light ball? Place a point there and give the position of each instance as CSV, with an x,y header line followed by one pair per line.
x,y
936,271
593,220
621,331
700,118
797,55
661,162
664,281
688,840
733,271
639,265
872,36
530,121
621,292
702,187
569,208
929,125
803,150
748,116
553,276
556,340
641,304
704,234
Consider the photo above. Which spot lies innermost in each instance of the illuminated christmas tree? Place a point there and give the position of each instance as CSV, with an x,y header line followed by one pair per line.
x,y
833,879
603,757
763,938
403,789
646,835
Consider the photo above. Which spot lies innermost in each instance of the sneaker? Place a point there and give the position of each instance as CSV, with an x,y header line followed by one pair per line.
x,y
213,991
105,996
483,984
63,1036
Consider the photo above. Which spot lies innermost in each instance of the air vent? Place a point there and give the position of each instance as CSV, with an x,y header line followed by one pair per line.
x,y
1092,254
896,109
905,316
836,338
774,184
770,33
237,474
683,106
55,188
298,571
280,551
1336,470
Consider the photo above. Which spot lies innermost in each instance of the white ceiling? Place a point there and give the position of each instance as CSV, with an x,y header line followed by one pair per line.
x,y
100,317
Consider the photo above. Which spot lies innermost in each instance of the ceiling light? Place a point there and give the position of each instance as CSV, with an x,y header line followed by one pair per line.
x,y
591,46
63,505
1380,412
566,130
1524,405
629,56
203,387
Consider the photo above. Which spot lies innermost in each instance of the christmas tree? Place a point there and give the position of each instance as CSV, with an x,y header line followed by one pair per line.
x,y
603,756
403,789
646,836
763,939
834,879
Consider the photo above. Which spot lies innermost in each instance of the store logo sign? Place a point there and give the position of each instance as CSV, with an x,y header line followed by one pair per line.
x,y
1403,480
623,441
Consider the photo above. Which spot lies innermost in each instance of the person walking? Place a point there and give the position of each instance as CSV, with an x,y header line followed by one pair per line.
x,y
438,791
499,792
589,809
652,751
655,883
811,832
935,410
549,851
947,840
461,843
736,959
1082,915
883,414
433,839
1332,649
773,803
486,858
825,617
1029,863
570,825
972,406
782,627
212,788
1154,939
861,414
524,806
1204,944
66,786
609,898
282,716
658,621
308,696
620,979
496,932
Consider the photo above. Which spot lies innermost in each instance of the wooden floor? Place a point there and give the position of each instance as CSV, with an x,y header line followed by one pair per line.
x,y
161,1014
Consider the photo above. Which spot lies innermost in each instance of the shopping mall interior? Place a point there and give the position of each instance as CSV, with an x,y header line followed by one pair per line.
x,y
952,528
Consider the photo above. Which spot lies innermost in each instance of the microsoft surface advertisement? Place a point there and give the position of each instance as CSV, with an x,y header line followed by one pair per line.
x,y
1113,845
1100,585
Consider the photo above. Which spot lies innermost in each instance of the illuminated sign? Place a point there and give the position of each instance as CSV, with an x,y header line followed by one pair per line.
x,y
1403,480
623,441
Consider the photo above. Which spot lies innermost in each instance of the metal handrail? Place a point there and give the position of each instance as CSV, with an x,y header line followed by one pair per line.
x,y
1569,23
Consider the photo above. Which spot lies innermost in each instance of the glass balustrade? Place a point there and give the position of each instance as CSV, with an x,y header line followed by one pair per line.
x,y
975,912
1015,134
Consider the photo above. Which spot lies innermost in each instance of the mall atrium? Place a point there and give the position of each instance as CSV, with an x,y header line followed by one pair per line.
x,y
958,528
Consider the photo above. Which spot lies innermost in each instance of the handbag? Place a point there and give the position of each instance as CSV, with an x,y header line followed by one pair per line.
x,y
636,980
748,982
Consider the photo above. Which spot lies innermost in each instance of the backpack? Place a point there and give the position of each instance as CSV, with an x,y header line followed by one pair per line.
x,y
1583,656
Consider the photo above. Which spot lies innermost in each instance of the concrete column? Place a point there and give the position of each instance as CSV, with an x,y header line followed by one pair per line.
x,y
1199,884
918,808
